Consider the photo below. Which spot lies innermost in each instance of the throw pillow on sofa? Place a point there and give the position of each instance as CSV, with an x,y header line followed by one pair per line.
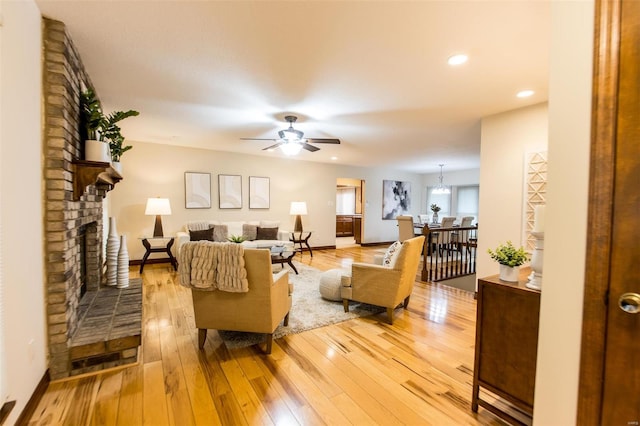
x,y
267,233
220,233
205,234
269,224
250,232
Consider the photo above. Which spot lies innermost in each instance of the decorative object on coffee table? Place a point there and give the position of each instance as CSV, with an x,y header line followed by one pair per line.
x,y
113,246
123,263
158,207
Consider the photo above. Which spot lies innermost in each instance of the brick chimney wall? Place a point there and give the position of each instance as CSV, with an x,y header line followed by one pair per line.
x,y
64,77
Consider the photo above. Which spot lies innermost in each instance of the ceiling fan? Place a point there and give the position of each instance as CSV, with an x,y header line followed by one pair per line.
x,y
291,141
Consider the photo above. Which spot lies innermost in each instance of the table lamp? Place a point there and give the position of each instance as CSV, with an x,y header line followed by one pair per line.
x,y
298,208
158,207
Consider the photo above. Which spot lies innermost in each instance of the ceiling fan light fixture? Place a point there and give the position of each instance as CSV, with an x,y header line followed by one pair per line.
x,y
291,148
440,189
290,134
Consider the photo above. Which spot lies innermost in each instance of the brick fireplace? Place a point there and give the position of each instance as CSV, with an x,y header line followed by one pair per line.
x,y
74,227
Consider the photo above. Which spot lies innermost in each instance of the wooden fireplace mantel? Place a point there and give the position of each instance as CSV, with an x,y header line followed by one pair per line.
x,y
93,173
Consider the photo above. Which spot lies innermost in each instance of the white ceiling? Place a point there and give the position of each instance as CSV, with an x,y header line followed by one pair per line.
x,y
374,74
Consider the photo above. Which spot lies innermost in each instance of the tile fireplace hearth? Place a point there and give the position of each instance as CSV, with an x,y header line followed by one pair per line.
x,y
109,330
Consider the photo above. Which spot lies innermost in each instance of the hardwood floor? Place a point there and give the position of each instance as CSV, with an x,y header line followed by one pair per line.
x,y
363,371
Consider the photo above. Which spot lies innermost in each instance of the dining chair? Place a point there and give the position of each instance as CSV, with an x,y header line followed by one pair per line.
x,y
445,236
405,227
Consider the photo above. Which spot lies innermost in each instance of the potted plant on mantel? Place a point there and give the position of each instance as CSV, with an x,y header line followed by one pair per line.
x,y
104,140
94,148
510,260
112,133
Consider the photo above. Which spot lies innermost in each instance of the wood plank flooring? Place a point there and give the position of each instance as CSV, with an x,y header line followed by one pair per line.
x,y
360,372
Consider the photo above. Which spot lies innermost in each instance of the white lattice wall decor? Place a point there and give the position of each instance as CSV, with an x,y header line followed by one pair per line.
x,y
535,191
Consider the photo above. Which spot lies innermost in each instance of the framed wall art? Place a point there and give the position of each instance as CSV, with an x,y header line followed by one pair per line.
x,y
230,191
259,192
197,190
396,198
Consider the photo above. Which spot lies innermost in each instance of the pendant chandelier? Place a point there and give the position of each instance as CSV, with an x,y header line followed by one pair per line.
x,y
440,188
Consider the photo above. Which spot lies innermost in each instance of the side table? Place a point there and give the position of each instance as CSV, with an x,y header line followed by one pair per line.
x,y
301,238
158,249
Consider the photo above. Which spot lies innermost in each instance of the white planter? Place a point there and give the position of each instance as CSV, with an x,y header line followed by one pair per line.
x,y
117,166
97,151
509,273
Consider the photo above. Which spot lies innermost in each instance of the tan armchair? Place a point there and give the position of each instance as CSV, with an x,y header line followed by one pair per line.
x,y
384,286
259,310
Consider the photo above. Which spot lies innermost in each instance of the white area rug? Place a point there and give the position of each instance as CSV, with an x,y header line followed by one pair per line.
x,y
308,310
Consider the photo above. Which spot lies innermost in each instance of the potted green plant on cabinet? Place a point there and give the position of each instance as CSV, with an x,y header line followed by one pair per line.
x,y
510,260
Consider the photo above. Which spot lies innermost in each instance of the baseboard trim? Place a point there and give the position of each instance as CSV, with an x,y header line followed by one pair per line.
x,y
33,402
320,248
383,243
149,261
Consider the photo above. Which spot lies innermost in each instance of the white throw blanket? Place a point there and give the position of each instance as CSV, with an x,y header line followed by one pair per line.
x,y
207,265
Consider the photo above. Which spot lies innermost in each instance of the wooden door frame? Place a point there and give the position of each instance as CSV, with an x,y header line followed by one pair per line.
x,y
600,214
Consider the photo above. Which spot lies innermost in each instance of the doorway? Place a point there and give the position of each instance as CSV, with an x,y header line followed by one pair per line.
x,y
349,212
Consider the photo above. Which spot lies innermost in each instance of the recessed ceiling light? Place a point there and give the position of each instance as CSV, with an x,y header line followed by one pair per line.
x,y
525,93
334,158
457,59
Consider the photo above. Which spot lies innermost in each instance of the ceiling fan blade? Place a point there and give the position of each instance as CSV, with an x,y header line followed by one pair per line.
x,y
258,139
323,140
272,146
310,148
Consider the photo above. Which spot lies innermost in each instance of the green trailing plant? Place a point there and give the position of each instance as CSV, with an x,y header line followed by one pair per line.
x,y
236,238
435,208
507,254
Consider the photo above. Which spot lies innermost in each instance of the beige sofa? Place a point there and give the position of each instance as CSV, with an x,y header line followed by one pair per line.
x,y
259,310
237,228
385,285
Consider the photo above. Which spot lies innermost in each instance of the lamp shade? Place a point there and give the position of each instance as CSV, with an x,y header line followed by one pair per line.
x,y
298,207
158,206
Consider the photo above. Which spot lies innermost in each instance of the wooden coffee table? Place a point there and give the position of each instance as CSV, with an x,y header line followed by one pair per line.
x,y
281,258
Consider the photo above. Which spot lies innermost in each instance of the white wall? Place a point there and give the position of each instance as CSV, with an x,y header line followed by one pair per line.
x,y
566,214
506,139
152,170
21,213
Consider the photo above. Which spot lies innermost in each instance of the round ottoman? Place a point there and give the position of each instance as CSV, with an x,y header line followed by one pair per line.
x,y
330,283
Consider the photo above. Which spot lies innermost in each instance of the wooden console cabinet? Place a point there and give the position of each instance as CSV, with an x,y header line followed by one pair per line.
x,y
506,347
